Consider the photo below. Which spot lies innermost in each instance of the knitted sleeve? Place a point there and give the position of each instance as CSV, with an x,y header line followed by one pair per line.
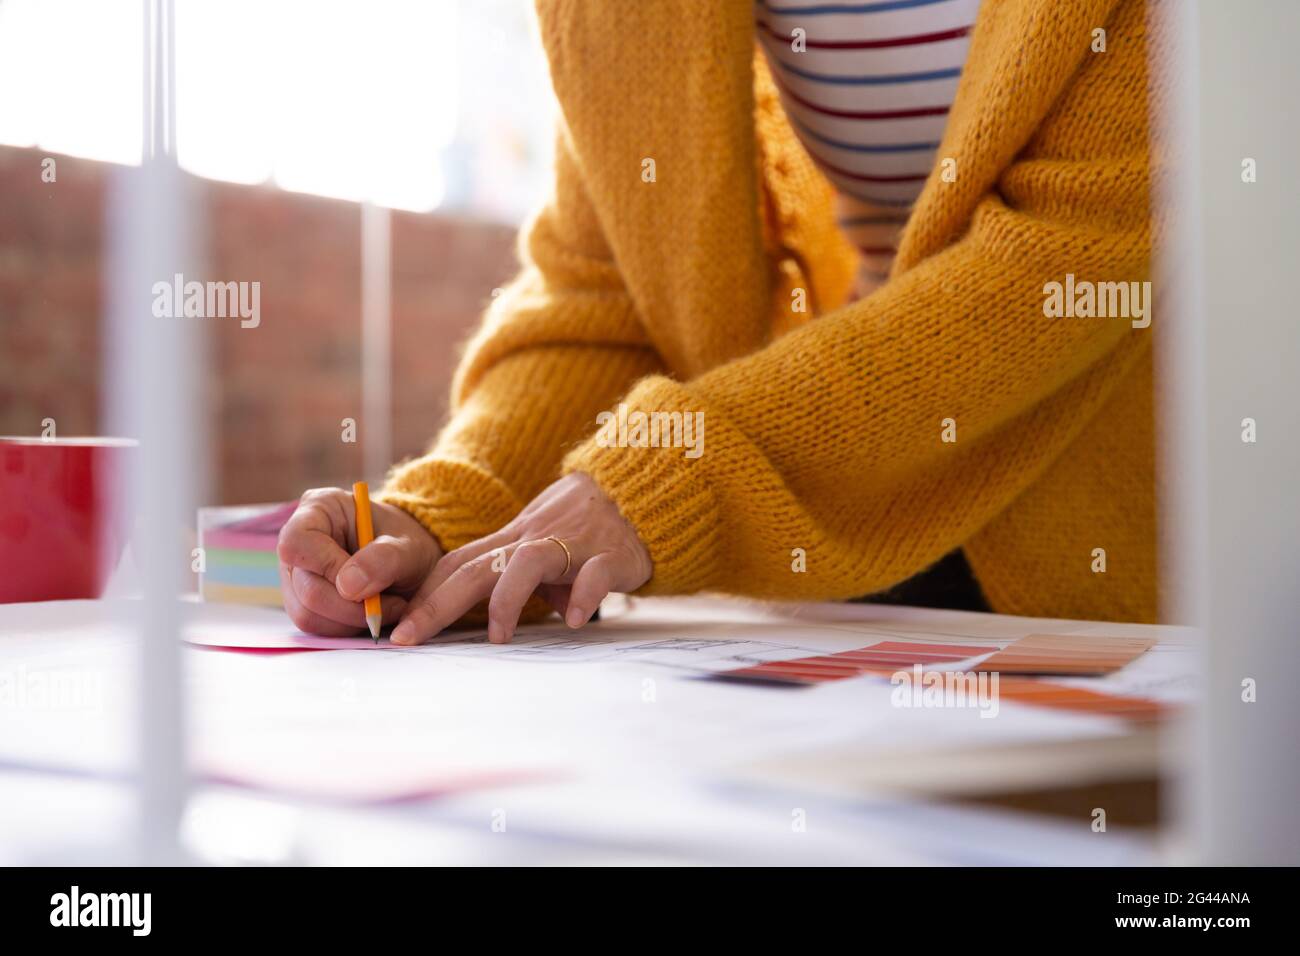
x,y
877,438
558,345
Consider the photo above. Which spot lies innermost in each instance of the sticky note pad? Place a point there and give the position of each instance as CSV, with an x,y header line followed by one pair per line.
x,y
1076,655
239,561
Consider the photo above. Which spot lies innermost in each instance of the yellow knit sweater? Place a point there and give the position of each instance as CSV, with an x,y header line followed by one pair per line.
x,y
825,427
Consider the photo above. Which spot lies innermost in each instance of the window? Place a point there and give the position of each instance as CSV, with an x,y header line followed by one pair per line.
x,y
411,104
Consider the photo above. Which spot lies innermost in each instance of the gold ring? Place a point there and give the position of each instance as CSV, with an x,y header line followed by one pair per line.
x,y
568,555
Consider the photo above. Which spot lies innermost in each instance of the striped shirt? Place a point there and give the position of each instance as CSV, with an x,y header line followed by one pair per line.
x,y
867,86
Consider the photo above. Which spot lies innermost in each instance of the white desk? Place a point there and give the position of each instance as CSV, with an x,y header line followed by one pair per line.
x,y
597,761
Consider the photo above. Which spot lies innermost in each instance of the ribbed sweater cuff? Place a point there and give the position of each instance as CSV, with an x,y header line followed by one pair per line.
x,y
665,495
457,501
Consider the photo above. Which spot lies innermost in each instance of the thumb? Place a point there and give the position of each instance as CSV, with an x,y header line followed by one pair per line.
x,y
387,562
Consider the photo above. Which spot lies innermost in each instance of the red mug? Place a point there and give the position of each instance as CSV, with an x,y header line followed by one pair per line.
x,y
61,524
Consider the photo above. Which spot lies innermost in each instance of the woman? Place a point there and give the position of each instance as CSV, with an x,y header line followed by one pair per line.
x,y
690,268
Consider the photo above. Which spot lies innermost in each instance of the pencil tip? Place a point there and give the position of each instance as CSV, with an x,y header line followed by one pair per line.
x,y
373,621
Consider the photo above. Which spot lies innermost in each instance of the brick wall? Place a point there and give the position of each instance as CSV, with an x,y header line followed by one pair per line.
x,y
276,393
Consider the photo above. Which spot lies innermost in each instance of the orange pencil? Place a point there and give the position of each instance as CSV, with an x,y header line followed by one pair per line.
x,y
366,534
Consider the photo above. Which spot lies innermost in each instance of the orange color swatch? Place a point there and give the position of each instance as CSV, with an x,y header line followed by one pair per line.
x,y
1040,693
1073,655
883,658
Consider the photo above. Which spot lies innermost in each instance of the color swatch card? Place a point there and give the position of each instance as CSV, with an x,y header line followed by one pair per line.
x,y
1042,693
239,560
1074,655
883,658
1018,666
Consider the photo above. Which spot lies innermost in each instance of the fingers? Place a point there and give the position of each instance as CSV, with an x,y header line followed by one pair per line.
x,y
314,535
436,605
307,621
385,562
324,585
532,563
321,598
557,596
596,578
595,551
452,561
507,573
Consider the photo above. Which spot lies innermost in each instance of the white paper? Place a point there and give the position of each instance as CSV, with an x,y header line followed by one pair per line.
x,y
629,699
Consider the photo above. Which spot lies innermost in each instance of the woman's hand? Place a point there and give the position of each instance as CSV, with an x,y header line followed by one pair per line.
x,y
603,554
323,583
